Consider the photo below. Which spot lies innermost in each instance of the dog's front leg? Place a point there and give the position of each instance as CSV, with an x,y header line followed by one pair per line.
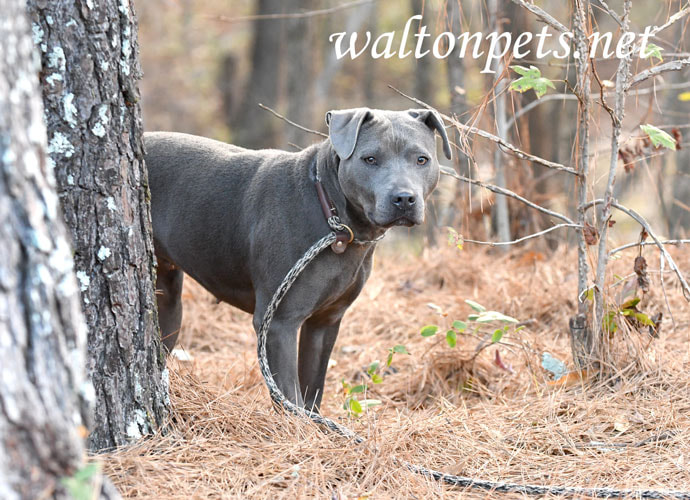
x,y
281,352
315,345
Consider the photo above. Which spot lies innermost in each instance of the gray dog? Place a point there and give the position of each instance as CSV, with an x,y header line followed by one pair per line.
x,y
236,220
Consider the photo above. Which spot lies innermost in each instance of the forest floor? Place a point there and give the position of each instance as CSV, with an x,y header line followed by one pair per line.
x,y
502,421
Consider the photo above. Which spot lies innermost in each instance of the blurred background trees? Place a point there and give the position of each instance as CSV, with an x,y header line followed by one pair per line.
x,y
208,64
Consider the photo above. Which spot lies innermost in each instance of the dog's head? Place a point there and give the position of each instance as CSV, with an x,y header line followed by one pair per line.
x,y
388,165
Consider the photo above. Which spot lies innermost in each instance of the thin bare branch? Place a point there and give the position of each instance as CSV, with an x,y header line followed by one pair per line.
x,y
646,243
671,20
660,244
571,97
676,65
520,240
508,148
611,12
505,192
305,129
297,15
542,15
672,264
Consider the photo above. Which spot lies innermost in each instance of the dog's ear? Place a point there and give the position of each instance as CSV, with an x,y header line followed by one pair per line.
x,y
433,120
344,127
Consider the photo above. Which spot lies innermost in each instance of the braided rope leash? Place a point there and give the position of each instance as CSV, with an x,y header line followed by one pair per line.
x,y
279,399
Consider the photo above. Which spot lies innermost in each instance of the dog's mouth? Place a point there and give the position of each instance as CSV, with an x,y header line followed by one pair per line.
x,y
399,221
402,221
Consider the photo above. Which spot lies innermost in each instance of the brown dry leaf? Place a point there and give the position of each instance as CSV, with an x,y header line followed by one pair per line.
x,y
640,268
591,234
675,132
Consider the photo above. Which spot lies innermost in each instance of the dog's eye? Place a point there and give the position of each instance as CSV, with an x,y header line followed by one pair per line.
x,y
370,160
422,160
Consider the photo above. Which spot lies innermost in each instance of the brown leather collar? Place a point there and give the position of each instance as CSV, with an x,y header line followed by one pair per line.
x,y
342,237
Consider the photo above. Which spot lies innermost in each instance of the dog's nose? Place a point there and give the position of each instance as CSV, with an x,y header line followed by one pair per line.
x,y
403,200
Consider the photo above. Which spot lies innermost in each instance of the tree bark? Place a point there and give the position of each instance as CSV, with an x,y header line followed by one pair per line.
x,y
44,394
252,127
90,69
300,71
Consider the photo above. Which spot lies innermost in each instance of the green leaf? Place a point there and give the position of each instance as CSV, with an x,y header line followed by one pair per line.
x,y
521,327
429,331
451,338
489,316
531,79
653,50
589,294
475,305
389,360
358,389
659,137
370,402
644,319
460,326
497,336
631,303
373,367
473,317
376,378
400,349
80,485
355,406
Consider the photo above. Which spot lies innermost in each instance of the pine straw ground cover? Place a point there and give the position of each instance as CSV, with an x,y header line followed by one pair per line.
x,y
629,429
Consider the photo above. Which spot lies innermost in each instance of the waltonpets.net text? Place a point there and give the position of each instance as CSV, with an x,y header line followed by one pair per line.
x,y
442,46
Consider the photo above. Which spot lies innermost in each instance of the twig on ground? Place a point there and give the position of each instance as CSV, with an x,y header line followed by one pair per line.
x,y
482,133
520,240
505,192
278,115
297,15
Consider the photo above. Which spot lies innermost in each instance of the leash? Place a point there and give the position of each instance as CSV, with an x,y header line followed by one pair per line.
x,y
497,486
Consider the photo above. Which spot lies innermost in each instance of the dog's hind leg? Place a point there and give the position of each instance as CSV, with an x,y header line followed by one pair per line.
x,y
169,299
315,345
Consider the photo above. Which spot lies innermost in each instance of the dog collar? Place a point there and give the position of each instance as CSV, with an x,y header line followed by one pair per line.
x,y
343,233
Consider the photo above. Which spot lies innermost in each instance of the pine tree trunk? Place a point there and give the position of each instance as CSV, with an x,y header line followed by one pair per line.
x,y
44,393
253,127
90,68
300,71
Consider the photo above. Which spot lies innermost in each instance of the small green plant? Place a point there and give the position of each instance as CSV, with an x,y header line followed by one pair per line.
x,y
397,349
355,406
476,320
81,485
629,313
